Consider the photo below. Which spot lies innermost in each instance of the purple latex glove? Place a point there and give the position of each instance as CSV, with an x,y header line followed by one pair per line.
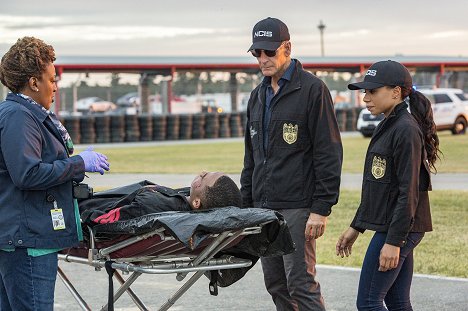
x,y
94,161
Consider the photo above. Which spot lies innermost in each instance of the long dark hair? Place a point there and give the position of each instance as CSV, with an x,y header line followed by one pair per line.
x,y
421,110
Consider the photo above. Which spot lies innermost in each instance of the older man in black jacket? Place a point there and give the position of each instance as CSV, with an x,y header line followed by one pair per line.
x,y
292,162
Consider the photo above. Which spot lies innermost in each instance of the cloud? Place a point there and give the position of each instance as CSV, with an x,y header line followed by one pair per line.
x,y
99,33
54,30
12,22
448,34
354,33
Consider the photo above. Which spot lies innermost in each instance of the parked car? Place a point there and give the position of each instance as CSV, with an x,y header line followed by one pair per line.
x,y
449,106
130,103
210,106
128,100
367,122
94,104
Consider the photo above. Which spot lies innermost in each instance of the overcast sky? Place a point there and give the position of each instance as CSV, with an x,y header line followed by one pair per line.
x,y
223,28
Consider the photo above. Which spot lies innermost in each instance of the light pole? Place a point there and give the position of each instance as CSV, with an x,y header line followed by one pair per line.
x,y
321,27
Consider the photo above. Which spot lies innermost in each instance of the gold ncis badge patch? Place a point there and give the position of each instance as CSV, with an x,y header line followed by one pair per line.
x,y
378,167
290,133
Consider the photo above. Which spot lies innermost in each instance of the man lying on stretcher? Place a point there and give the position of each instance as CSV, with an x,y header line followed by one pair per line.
x,y
208,190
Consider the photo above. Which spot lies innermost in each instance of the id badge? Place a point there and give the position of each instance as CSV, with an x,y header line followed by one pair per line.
x,y
58,222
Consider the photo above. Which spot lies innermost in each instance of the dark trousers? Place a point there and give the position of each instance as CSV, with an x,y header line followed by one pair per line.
x,y
27,283
391,286
290,279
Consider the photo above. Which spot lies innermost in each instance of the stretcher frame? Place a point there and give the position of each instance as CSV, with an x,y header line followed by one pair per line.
x,y
174,260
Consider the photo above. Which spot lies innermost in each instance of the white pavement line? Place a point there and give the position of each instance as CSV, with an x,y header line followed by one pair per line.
x,y
427,276
330,267
160,143
440,277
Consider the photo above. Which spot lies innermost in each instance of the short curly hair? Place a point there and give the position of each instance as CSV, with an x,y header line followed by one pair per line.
x,y
27,58
224,192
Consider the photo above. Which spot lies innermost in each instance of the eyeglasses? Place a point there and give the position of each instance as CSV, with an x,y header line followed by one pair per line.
x,y
258,53
268,53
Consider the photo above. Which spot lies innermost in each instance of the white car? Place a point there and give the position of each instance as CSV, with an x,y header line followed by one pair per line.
x,y
449,106
367,122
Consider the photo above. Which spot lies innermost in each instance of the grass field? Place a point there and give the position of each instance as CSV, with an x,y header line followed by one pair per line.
x,y
442,252
228,157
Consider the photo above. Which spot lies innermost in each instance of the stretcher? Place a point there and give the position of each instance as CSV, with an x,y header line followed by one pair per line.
x,y
221,243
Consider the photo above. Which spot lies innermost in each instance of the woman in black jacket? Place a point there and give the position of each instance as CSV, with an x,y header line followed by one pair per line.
x,y
396,181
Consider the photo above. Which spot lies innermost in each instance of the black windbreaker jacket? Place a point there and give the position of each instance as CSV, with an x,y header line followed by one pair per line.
x,y
301,166
132,201
396,180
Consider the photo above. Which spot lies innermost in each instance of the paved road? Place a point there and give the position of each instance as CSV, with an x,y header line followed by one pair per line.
x,y
339,286
349,181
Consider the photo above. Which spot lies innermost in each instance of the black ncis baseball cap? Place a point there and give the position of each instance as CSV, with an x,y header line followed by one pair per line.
x,y
268,34
384,73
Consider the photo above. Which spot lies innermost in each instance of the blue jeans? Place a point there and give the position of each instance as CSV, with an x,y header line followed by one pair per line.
x,y
26,282
392,286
